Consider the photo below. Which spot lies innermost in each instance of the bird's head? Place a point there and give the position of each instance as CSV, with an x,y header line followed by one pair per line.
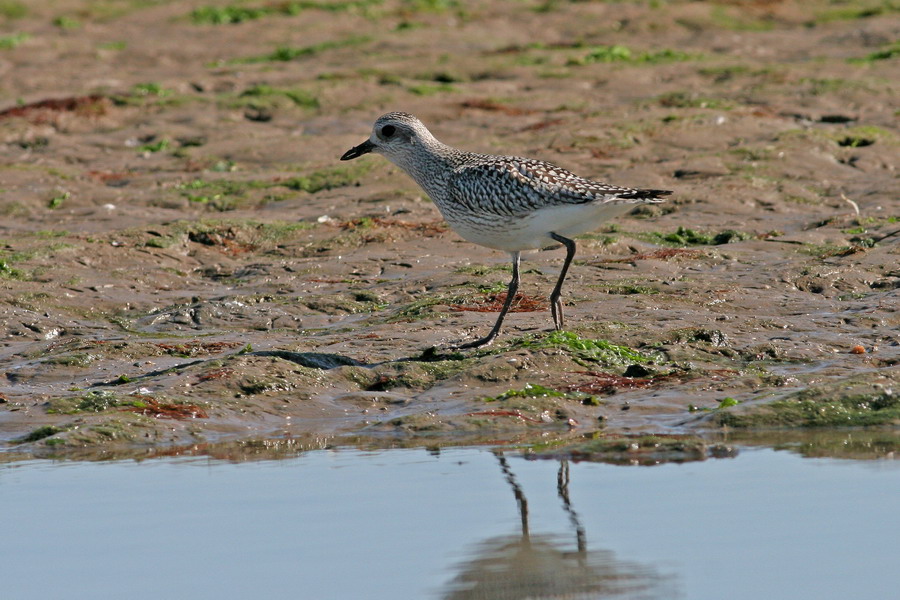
x,y
396,135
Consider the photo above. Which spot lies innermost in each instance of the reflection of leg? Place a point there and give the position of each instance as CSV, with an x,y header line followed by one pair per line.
x,y
555,303
562,487
510,296
517,491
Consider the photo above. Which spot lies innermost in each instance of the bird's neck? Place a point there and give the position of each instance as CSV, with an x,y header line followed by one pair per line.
x,y
429,163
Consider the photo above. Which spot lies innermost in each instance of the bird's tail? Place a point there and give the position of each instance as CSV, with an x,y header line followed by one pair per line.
x,y
645,194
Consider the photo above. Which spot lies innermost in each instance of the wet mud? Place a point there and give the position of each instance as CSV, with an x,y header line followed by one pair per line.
x,y
185,262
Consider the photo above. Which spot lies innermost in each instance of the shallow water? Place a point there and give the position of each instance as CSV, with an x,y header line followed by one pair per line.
x,y
449,524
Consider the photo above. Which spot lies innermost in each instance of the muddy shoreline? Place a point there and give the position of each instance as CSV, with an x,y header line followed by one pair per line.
x,y
184,261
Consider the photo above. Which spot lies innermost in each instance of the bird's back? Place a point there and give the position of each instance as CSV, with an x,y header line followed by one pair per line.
x,y
514,186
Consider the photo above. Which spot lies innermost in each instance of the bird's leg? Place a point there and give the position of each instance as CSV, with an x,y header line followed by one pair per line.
x,y
555,304
510,296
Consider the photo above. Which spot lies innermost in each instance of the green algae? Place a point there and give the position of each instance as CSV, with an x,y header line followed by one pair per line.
x,y
419,372
408,375
851,11
533,390
624,288
291,53
150,88
81,360
421,308
7,271
726,402
12,40
41,433
833,405
262,96
622,54
13,9
232,14
887,52
328,178
595,351
684,236
692,100
95,402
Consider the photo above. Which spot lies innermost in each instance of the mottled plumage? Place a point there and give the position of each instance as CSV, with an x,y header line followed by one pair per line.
x,y
503,202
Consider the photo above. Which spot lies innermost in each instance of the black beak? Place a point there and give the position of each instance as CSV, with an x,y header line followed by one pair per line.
x,y
357,151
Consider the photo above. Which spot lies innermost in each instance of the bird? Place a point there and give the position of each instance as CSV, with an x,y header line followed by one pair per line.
x,y
506,203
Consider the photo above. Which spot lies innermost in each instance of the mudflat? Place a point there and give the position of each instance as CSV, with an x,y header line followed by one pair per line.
x,y
184,260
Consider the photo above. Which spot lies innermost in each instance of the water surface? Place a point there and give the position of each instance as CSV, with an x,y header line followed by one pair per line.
x,y
450,524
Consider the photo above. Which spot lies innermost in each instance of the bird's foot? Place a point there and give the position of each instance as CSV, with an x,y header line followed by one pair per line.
x,y
556,309
485,341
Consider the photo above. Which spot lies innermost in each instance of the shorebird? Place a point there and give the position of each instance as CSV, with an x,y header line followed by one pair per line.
x,y
502,202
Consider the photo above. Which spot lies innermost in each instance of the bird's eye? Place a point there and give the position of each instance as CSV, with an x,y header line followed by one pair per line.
x,y
388,130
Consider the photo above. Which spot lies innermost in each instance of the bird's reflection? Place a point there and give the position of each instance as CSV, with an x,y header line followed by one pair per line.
x,y
538,567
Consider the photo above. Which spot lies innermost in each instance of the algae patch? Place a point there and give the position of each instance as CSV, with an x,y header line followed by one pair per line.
x,y
684,236
41,433
328,178
96,401
851,403
585,349
533,390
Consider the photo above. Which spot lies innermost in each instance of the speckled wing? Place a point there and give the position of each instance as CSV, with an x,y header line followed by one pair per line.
x,y
513,186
